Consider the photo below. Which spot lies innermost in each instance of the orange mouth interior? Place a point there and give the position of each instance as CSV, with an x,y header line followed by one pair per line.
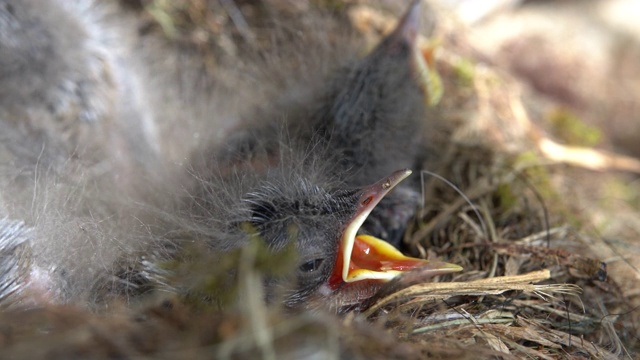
x,y
364,257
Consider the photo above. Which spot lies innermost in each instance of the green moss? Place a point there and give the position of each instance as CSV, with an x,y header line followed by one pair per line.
x,y
464,71
571,129
208,279
540,179
616,190
269,262
335,6
163,12
506,196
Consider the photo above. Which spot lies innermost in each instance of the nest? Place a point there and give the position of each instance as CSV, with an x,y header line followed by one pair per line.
x,y
531,286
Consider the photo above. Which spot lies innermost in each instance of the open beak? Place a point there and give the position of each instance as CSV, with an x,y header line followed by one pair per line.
x,y
364,257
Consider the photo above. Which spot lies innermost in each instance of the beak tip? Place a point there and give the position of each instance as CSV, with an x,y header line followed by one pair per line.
x,y
441,268
408,26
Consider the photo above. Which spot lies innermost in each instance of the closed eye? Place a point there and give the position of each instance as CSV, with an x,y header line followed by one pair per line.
x,y
262,212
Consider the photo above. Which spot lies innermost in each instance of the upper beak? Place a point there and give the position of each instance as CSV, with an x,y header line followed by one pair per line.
x,y
364,257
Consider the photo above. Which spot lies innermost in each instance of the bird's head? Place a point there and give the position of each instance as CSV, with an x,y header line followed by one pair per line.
x,y
323,222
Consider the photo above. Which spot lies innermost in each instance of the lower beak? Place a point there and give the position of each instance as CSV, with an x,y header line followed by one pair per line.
x,y
364,257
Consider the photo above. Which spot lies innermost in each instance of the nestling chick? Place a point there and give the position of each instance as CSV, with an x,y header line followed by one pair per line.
x,y
306,174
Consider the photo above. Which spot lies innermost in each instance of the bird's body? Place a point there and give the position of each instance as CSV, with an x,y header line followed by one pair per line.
x,y
114,147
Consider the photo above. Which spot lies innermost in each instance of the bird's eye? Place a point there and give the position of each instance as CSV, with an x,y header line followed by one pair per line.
x,y
311,266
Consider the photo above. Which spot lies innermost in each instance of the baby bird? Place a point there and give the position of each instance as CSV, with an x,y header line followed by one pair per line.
x,y
310,167
307,175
